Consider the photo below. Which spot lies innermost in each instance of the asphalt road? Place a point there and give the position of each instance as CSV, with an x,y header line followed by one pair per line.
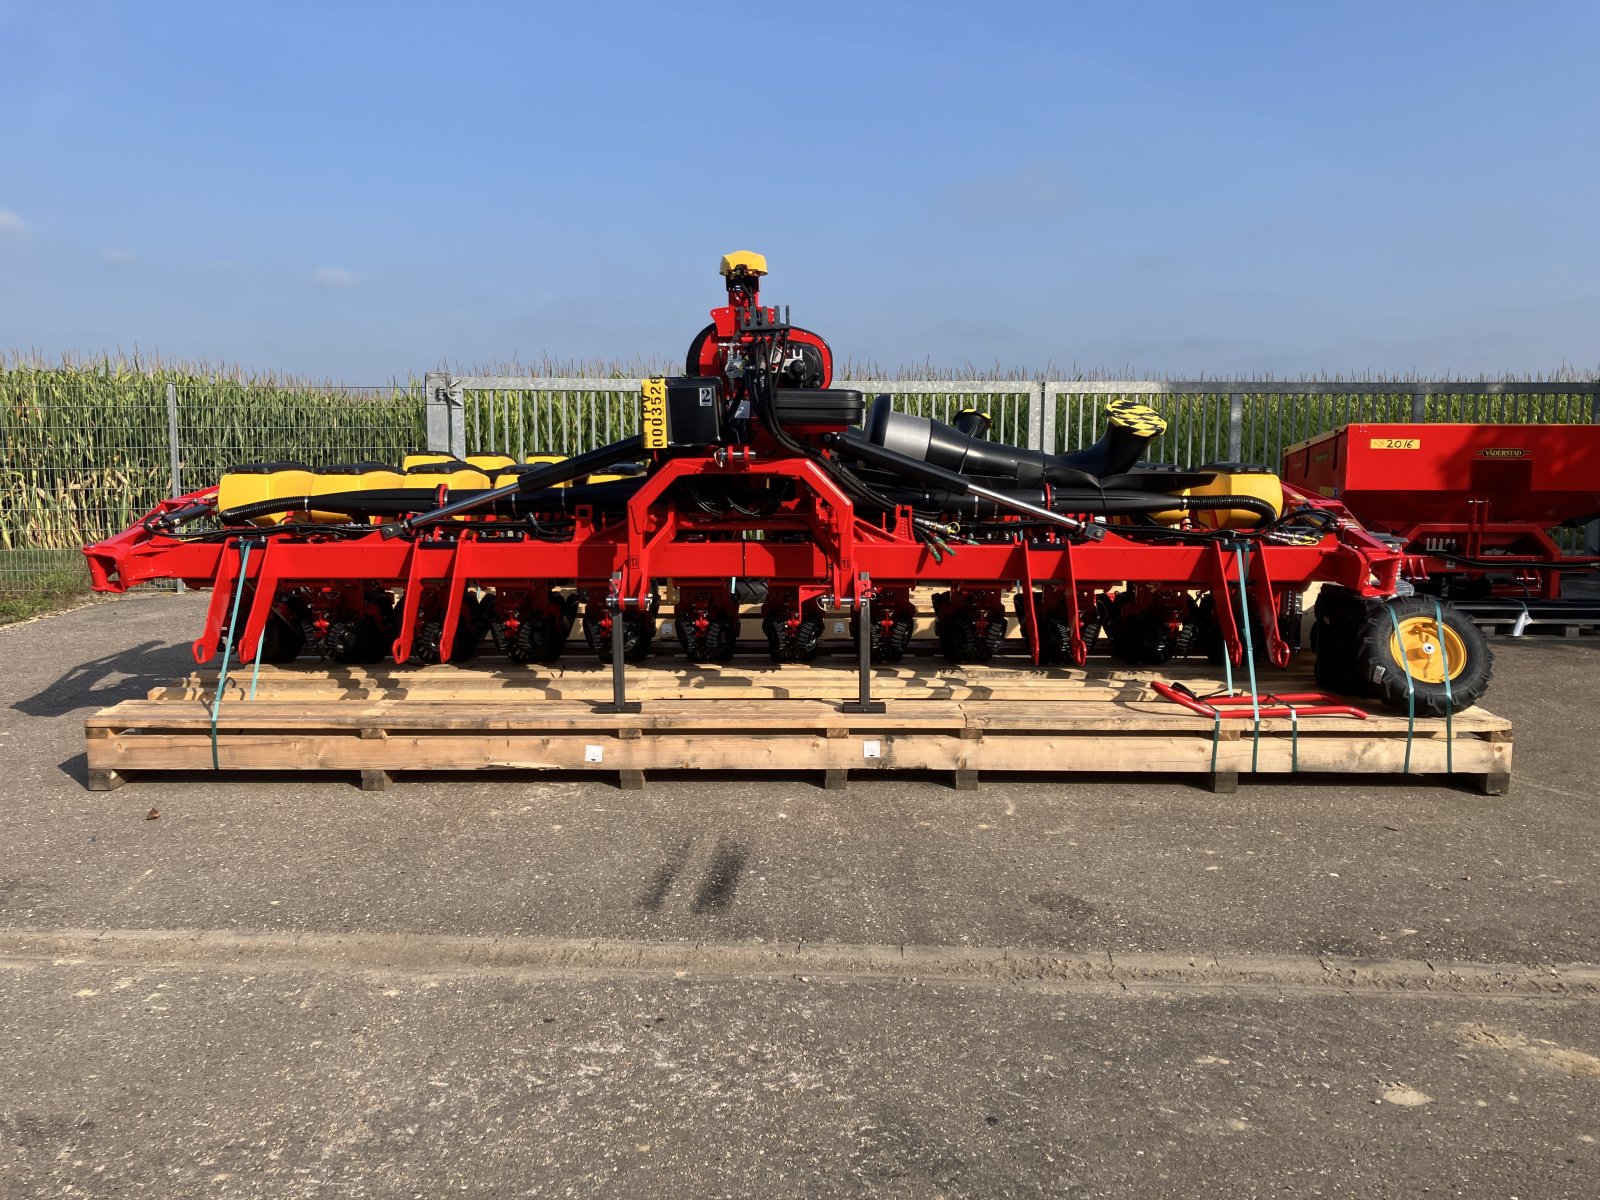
x,y
521,987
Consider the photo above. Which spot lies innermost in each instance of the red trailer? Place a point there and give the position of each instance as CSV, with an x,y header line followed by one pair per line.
x,y
1475,505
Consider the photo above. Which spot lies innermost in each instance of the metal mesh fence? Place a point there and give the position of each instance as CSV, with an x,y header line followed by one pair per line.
x,y
562,416
569,416
1199,420
83,457
220,426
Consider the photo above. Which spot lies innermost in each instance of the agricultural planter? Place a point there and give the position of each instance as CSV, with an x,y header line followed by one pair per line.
x,y
753,480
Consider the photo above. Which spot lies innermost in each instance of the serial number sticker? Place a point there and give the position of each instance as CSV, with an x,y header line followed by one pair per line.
x,y
653,414
1397,443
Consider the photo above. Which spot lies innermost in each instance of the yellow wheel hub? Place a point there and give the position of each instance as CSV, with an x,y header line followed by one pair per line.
x,y
1419,646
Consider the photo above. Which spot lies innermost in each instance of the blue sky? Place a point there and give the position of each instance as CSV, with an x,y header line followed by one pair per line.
x,y
364,191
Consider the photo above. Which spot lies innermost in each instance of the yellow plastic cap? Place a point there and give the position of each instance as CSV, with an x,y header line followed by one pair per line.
x,y
746,262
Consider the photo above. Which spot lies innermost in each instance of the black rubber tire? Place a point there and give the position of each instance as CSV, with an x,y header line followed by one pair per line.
x,y
1055,632
1055,640
1386,675
539,639
959,640
801,646
281,642
1335,667
1339,615
370,645
1336,604
426,647
1139,640
1208,636
717,644
638,633
890,649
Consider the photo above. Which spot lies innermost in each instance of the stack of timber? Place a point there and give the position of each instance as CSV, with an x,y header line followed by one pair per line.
x,y
753,715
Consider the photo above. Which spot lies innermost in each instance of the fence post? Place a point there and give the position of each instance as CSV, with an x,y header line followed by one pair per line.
x,y
172,440
1419,408
1047,424
1235,426
447,431
1036,416
174,461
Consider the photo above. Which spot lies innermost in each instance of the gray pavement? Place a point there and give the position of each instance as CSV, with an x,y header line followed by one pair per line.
x,y
469,1049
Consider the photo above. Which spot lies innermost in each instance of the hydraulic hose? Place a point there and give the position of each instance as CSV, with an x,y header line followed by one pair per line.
x,y
536,480
856,444
398,502
1076,500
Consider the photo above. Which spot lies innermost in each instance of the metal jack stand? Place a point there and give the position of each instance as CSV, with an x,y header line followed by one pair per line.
x,y
864,703
619,684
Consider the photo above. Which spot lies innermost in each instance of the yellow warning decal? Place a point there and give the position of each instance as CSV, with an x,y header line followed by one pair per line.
x,y
1397,443
653,414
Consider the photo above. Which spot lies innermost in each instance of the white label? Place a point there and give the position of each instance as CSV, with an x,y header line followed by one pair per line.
x,y
838,626
708,397
871,749
594,753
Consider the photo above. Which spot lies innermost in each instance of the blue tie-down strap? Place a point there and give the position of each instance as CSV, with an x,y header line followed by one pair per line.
x,y
1249,654
1449,699
227,651
1411,691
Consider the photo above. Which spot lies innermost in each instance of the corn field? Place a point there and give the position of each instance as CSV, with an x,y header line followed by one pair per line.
x,y
86,450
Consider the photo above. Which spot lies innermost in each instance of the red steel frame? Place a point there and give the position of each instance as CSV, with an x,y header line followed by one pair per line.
x,y
833,554
657,541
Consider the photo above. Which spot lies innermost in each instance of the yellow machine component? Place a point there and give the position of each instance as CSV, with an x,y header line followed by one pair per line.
x,y
457,476
354,477
490,463
1136,418
541,459
1417,643
1263,485
743,262
423,458
263,481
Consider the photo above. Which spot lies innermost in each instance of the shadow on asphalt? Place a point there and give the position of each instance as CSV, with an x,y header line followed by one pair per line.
x,y
126,675
76,768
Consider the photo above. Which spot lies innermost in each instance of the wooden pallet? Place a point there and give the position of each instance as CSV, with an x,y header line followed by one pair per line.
x,y
1536,628
751,714
1575,616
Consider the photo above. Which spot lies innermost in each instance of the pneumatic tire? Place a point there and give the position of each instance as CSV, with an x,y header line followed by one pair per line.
x,y
1406,644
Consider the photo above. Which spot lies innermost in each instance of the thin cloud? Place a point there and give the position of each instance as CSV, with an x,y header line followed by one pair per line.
x,y
335,277
120,257
11,223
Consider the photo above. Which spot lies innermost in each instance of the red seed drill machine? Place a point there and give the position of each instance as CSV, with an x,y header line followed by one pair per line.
x,y
752,478
1474,505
